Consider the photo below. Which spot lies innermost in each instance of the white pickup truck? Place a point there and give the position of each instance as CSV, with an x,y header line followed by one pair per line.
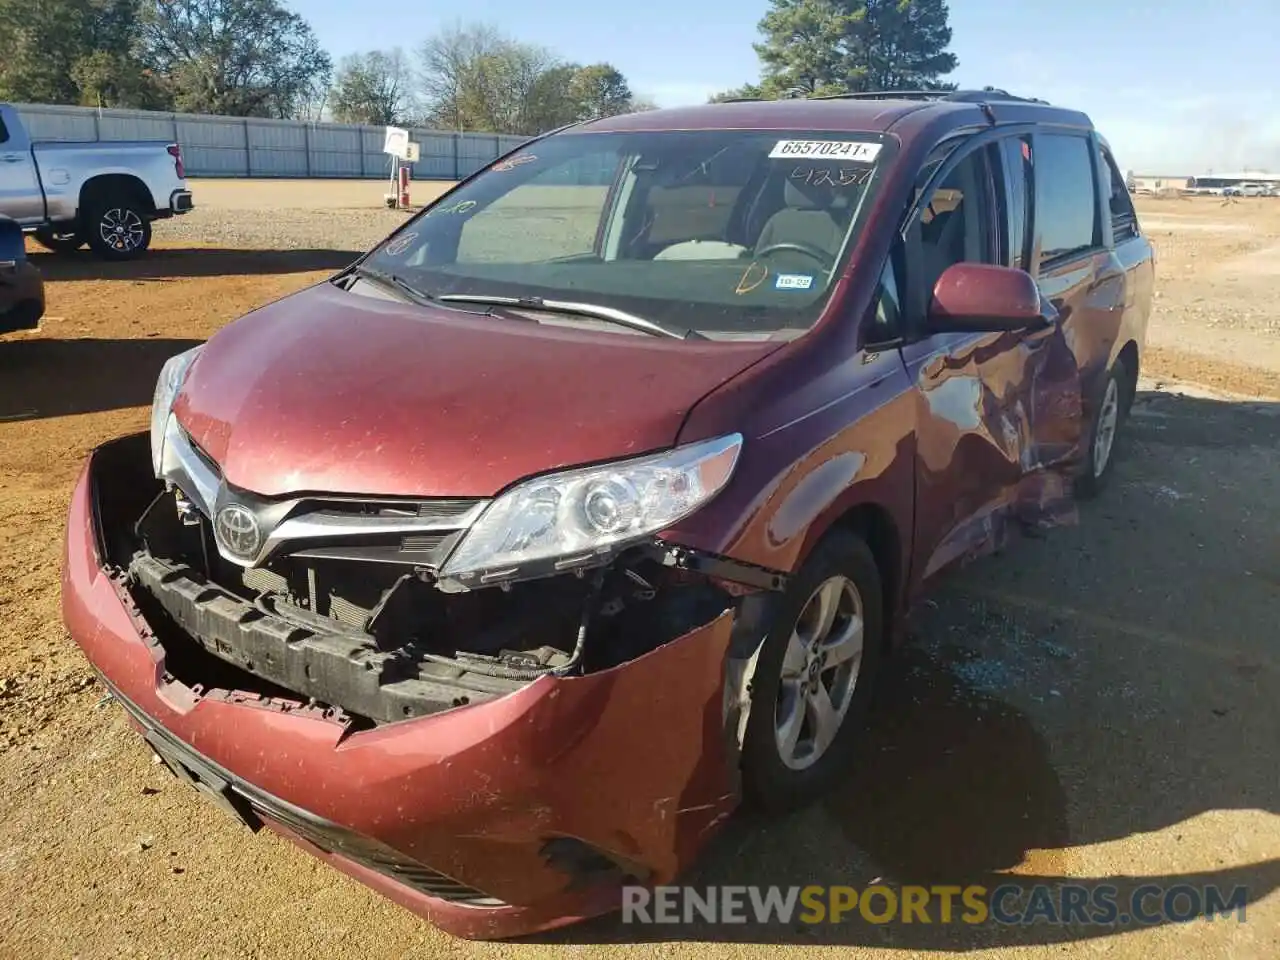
x,y
104,194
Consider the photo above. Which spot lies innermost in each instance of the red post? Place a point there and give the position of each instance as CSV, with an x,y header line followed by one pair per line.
x,y
404,186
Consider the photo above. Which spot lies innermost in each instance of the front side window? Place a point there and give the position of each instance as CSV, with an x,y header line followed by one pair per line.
x,y
955,224
1016,168
732,233
1066,207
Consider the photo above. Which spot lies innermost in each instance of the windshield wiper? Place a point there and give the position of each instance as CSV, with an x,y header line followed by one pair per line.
x,y
595,311
395,282
404,288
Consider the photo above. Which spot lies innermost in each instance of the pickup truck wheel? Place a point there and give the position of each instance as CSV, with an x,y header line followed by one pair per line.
x,y
1104,429
813,677
118,229
59,241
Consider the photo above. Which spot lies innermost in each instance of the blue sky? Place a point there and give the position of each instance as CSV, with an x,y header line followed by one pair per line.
x,y
1177,87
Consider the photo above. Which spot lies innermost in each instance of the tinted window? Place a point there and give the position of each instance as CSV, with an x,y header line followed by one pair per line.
x,y
1124,221
1066,213
1016,169
4,134
885,322
954,223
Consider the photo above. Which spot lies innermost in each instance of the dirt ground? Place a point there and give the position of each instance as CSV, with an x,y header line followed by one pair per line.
x,y
1097,704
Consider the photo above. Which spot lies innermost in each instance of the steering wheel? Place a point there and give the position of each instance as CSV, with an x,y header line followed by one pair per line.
x,y
807,249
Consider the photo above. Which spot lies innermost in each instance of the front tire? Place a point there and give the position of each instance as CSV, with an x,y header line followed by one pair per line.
x,y
118,228
813,678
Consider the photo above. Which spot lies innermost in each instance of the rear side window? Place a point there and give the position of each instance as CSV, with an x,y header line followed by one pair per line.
x,y
1124,220
1066,210
4,133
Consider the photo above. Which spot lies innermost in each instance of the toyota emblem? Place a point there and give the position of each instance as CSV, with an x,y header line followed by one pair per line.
x,y
238,530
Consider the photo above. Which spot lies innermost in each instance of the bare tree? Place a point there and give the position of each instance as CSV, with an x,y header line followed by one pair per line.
x,y
445,68
475,78
374,88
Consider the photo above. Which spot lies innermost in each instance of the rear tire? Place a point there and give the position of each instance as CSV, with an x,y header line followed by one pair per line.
x,y
1104,431
60,240
118,227
786,762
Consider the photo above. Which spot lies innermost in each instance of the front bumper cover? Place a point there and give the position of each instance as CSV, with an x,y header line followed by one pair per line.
x,y
464,807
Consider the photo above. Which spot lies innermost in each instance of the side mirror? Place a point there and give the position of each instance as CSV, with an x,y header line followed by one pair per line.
x,y
12,250
980,297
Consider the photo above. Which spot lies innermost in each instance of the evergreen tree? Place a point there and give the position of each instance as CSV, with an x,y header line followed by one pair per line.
x,y
814,47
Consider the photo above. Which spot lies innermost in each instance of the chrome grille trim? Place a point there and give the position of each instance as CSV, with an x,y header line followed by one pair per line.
x,y
296,522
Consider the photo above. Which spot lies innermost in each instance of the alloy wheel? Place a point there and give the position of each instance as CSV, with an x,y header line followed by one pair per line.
x,y
819,672
1104,437
121,229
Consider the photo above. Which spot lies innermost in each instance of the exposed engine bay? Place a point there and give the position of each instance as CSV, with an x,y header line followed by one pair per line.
x,y
369,629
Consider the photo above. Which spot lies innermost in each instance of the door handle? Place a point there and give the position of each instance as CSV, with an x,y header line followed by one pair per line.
x,y
12,158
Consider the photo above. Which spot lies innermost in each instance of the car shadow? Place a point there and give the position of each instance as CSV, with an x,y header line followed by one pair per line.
x,y
1125,724
42,378
167,263
955,788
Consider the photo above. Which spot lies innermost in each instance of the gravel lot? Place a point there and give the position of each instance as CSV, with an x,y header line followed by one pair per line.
x,y
1099,704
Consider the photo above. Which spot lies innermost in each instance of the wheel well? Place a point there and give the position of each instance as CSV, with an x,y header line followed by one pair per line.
x,y
1129,357
116,185
876,527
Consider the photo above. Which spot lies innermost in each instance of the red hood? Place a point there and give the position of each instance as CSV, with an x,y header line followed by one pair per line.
x,y
332,392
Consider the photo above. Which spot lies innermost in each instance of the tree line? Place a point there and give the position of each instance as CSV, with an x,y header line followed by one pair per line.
x,y
257,58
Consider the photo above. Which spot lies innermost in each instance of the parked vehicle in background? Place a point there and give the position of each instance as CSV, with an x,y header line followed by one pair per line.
x,y
21,286
1247,190
498,568
104,194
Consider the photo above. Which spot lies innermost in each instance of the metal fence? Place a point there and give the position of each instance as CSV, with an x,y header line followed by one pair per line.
x,y
247,147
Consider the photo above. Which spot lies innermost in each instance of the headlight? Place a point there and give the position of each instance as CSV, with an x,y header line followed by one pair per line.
x,y
573,516
168,384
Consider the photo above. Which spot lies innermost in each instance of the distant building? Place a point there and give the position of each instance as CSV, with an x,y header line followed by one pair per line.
x,y
1158,183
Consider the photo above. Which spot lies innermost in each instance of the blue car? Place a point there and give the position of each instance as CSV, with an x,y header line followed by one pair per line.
x,y
21,287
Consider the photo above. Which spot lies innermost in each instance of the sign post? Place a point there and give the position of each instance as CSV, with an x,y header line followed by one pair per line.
x,y
402,151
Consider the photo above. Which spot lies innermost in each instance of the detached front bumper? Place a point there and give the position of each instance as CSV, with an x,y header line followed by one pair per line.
x,y
492,820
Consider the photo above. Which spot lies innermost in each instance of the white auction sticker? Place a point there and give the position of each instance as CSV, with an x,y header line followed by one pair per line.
x,y
853,151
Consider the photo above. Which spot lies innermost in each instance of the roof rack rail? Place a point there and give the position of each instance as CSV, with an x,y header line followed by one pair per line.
x,y
985,95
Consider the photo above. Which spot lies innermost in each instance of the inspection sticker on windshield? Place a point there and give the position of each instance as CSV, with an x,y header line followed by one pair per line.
x,y
853,151
793,281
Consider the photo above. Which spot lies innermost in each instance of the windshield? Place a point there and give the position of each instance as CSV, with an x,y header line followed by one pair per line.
x,y
730,233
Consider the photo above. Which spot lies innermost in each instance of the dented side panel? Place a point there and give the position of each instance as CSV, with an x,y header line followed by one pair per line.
x,y
844,438
998,432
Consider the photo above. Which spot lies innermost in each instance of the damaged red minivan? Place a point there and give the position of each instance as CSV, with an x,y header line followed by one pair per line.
x,y
499,568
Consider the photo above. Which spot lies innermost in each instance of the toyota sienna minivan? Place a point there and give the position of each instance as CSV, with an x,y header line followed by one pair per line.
x,y
498,569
